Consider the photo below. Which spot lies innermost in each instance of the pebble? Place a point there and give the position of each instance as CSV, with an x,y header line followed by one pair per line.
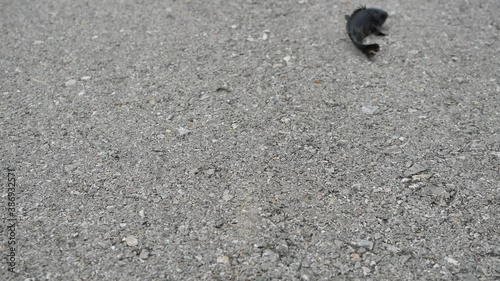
x,y
70,168
415,169
363,243
131,240
369,109
394,149
392,248
435,191
285,120
421,177
467,277
223,259
85,78
209,172
183,131
144,255
306,276
330,170
451,261
194,171
265,34
226,196
495,153
366,270
282,249
71,82
271,255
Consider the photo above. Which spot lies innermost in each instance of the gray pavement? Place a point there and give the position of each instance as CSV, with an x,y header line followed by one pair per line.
x,y
249,140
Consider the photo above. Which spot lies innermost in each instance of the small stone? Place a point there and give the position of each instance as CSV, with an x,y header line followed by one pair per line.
x,y
434,190
415,169
451,260
194,171
144,255
226,196
71,82
131,241
495,153
355,257
209,172
70,168
421,177
183,131
366,270
265,34
285,120
287,59
38,42
330,170
223,259
141,213
363,243
272,256
282,249
477,145
394,149
392,248
81,93
412,110
85,78
467,277
369,109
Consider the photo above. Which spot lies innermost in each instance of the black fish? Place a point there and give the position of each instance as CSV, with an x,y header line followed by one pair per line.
x,y
362,23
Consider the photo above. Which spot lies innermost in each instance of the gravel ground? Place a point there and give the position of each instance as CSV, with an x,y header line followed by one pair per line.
x,y
240,140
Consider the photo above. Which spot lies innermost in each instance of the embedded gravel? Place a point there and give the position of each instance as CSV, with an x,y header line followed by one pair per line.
x,y
250,140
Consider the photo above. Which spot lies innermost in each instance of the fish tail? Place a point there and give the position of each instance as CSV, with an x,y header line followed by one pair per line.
x,y
368,50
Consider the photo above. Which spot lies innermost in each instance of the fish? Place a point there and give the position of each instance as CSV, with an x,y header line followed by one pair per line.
x,y
363,22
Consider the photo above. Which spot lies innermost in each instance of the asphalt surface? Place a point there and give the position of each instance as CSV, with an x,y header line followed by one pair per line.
x,y
249,140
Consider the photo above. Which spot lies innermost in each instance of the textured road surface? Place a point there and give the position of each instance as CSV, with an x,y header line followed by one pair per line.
x,y
249,140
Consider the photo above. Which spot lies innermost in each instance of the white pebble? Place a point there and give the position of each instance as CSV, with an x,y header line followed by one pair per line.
x,y
131,240
70,83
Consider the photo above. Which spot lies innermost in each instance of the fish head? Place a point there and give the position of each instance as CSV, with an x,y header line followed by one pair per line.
x,y
379,15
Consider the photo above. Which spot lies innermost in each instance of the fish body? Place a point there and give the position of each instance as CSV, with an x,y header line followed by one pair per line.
x,y
363,22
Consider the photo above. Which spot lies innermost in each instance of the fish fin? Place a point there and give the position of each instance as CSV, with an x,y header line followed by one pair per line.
x,y
377,32
360,8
